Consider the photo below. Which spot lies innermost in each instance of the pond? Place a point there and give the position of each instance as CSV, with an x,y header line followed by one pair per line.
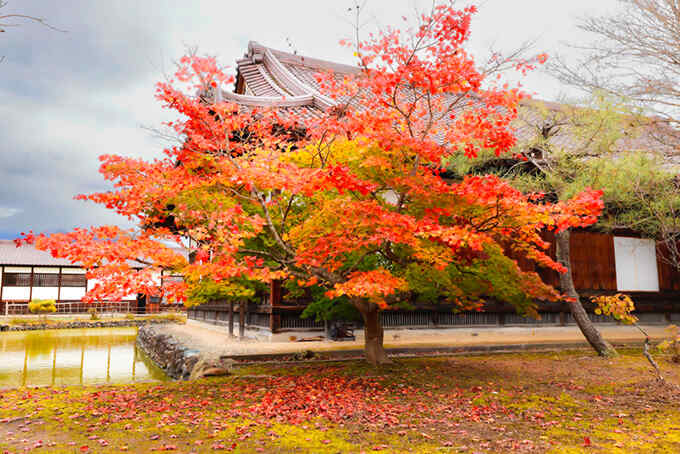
x,y
73,357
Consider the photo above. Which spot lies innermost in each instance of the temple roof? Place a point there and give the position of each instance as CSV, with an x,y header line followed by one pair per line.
x,y
10,254
268,77
29,255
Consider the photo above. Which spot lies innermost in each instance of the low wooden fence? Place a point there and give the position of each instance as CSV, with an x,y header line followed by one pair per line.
x,y
650,309
78,307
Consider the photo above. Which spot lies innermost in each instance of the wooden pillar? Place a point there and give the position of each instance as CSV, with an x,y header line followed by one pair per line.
x,y
30,291
231,319
241,319
274,300
563,319
275,293
2,284
59,286
274,322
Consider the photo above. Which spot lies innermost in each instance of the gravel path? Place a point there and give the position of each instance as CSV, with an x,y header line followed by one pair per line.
x,y
214,340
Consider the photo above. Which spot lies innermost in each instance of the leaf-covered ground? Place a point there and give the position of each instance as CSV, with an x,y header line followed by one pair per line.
x,y
552,402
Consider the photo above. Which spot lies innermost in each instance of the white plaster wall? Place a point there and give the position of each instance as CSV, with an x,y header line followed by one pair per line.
x,y
72,271
17,269
72,293
45,293
636,264
16,293
91,283
45,269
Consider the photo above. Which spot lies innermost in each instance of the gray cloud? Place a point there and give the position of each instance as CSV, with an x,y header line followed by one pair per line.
x,y
66,98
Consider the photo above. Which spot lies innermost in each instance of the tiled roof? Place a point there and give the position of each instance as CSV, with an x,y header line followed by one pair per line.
x,y
27,255
269,77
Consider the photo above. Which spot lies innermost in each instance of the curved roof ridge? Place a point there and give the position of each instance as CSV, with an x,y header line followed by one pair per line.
x,y
268,101
274,76
284,77
271,82
287,57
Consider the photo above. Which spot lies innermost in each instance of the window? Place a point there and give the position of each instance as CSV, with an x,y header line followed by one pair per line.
x,y
45,280
636,264
73,280
16,279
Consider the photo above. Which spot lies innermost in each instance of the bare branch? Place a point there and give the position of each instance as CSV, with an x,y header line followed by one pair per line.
x,y
16,20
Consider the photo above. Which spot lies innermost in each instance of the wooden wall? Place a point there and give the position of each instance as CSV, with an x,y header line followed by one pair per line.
x,y
669,277
594,266
592,260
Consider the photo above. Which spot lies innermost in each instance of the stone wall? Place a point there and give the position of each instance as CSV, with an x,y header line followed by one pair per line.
x,y
167,352
82,324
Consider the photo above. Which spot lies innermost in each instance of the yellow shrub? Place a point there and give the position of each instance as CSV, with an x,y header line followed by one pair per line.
x,y
42,306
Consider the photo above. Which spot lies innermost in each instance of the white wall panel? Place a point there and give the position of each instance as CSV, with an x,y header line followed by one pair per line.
x,y
17,269
636,264
72,293
16,293
45,293
45,269
91,283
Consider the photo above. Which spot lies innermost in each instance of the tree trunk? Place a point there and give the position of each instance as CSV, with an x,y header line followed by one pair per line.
x,y
592,335
373,334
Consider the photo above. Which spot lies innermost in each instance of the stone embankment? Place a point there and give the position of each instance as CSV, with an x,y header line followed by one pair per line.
x,y
177,359
82,324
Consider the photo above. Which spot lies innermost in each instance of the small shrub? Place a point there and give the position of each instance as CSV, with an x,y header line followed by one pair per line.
x,y
42,307
171,317
672,344
93,313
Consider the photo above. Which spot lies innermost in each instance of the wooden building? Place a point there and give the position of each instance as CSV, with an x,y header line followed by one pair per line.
x,y
602,263
28,274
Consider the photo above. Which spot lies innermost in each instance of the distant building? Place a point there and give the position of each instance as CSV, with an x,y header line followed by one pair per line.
x,y
27,274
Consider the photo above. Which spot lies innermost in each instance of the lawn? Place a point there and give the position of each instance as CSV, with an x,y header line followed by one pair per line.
x,y
548,402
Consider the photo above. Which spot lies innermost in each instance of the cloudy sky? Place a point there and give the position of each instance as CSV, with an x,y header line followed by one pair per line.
x,y
66,98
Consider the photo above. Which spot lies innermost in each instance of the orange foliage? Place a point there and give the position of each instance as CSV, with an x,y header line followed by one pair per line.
x,y
259,208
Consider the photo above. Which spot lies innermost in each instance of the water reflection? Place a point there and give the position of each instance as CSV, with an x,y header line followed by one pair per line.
x,y
73,356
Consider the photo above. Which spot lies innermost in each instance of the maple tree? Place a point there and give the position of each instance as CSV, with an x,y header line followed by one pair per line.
x,y
350,200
